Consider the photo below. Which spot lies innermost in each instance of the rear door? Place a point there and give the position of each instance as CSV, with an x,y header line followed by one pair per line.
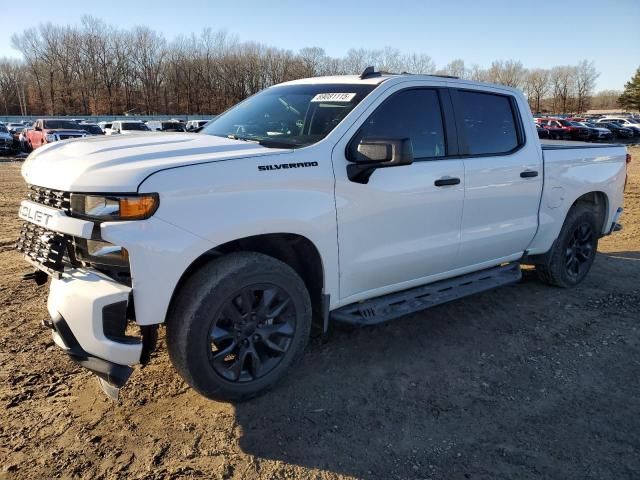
x,y
503,176
403,224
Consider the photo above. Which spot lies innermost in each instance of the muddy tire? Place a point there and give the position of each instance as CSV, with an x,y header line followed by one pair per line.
x,y
574,250
237,324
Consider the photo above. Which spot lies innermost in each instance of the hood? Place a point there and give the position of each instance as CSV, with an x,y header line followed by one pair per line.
x,y
120,164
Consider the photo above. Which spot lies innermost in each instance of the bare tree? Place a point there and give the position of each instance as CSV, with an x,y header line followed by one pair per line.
x,y
455,68
98,68
585,82
537,86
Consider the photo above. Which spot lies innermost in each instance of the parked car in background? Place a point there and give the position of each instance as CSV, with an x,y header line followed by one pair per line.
x,y
106,127
597,132
91,128
15,129
6,140
542,132
127,127
50,130
617,130
165,126
194,124
18,127
22,140
567,130
624,122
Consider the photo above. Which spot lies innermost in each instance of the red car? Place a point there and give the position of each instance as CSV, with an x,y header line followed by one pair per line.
x,y
49,130
565,129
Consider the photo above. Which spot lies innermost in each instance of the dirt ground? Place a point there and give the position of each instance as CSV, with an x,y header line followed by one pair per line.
x,y
527,381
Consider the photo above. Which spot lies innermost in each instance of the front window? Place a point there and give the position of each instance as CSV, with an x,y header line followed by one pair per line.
x,y
60,124
289,116
134,126
3,129
565,123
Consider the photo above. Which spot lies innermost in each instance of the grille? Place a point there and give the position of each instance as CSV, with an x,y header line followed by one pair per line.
x,y
67,136
51,198
42,247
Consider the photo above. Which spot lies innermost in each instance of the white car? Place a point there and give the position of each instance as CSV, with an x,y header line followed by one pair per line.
x,y
355,199
624,122
126,127
194,124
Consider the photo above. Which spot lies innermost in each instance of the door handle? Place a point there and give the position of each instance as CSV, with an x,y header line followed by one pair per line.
x,y
529,174
441,182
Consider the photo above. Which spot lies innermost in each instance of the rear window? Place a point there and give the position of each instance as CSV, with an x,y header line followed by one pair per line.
x,y
488,122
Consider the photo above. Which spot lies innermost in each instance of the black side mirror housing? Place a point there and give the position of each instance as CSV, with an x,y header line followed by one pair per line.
x,y
373,153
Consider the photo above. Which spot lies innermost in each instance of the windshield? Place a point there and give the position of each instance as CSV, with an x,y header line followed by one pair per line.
x,y
289,116
566,123
134,126
58,124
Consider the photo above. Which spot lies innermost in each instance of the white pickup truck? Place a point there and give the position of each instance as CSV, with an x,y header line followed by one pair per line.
x,y
353,199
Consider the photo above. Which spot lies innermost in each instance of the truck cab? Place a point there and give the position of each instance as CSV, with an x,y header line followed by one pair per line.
x,y
354,199
49,130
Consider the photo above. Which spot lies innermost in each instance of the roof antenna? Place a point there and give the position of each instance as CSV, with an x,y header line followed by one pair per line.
x,y
369,72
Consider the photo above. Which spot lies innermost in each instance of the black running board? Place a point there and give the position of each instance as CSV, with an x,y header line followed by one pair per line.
x,y
394,305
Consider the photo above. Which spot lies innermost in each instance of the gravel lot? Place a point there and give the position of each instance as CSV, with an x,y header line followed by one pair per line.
x,y
527,381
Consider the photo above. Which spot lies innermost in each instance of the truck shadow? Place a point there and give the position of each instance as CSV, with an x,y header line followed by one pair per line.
x,y
472,388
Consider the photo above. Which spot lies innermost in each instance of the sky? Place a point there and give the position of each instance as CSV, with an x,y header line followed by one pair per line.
x,y
540,33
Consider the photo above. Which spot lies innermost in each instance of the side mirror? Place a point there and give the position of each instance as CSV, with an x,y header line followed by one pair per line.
x,y
373,153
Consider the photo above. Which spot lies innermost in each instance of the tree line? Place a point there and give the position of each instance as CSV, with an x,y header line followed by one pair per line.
x,y
98,69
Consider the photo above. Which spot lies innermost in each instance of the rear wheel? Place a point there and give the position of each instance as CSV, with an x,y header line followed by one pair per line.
x,y
574,250
237,325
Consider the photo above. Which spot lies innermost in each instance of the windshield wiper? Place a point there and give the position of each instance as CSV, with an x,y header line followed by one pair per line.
x,y
265,142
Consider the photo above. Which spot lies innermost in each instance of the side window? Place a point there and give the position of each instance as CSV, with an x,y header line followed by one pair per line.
x,y
488,122
413,114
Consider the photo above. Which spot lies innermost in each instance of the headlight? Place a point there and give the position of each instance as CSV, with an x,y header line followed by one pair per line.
x,y
98,252
51,137
114,207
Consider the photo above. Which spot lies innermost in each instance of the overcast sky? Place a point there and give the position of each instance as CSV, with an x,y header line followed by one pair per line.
x,y
539,33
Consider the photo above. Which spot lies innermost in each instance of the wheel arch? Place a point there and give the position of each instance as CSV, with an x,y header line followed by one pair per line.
x,y
599,201
295,250
596,199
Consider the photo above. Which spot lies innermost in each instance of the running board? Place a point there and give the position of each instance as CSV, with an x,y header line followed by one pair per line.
x,y
394,305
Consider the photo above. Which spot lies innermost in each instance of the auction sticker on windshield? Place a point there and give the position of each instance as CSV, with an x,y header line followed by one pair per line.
x,y
333,97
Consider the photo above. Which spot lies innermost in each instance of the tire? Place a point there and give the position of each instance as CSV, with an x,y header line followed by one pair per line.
x,y
237,324
574,250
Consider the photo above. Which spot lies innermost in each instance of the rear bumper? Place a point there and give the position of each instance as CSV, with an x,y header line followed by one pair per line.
x,y
615,226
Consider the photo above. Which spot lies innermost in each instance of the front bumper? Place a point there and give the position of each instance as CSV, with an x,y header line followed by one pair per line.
x,y
89,317
94,307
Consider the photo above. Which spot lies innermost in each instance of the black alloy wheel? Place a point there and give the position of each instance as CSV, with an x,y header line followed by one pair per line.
x,y
579,250
252,332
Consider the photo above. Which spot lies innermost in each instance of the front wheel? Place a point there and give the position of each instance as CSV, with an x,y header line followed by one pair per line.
x,y
574,250
237,324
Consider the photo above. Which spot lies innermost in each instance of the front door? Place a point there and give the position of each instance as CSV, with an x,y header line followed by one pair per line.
x,y
403,225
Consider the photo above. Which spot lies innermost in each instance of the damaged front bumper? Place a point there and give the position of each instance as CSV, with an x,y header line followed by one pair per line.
x,y
89,316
